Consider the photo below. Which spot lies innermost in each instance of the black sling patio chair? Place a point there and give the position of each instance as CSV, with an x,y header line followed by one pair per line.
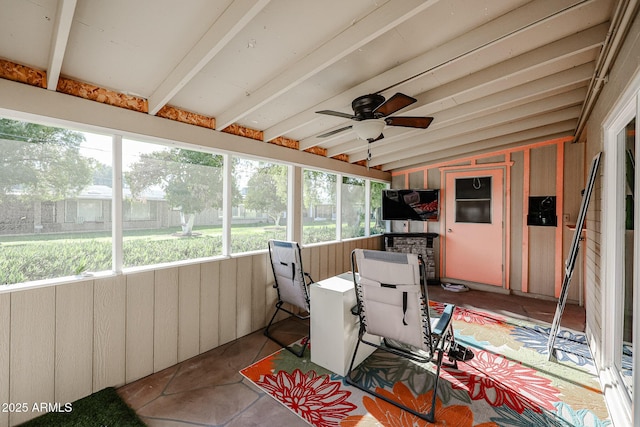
x,y
392,303
292,285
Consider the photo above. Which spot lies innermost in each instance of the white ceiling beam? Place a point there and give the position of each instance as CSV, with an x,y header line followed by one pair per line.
x,y
540,12
378,22
59,39
429,146
227,26
547,86
570,53
529,136
565,53
545,106
538,89
552,59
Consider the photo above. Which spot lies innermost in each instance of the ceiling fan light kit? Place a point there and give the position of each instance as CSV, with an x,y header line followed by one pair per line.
x,y
370,129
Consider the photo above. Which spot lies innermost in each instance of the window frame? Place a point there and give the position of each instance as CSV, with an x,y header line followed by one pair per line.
x,y
116,215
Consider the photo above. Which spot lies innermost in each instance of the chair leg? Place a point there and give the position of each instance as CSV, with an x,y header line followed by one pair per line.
x,y
430,416
274,339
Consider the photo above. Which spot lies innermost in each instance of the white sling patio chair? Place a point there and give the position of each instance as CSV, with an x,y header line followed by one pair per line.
x,y
291,283
392,302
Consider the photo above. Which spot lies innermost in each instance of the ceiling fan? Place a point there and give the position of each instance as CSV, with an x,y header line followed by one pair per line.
x,y
370,113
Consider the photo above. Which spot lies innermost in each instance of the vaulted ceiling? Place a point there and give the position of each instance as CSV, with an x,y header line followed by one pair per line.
x,y
491,73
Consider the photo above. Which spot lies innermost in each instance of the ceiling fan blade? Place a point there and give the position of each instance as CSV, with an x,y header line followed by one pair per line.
x,y
393,104
335,113
409,122
333,132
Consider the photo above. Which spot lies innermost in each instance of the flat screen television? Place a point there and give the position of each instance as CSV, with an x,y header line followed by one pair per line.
x,y
417,205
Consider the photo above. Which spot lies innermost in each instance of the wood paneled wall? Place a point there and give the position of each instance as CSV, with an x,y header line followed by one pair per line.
x,y
535,254
63,342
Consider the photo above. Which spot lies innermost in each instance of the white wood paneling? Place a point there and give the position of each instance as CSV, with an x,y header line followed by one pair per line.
x,y
109,332
165,324
331,260
228,308
259,284
74,341
63,342
189,312
31,377
272,293
243,296
209,305
5,331
323,261
139,338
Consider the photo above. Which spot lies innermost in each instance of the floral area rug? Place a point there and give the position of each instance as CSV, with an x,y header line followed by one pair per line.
x,y
509,382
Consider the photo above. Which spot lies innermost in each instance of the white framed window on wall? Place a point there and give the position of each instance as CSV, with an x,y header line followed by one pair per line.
x,y
376,224
52,202
320,206
259,203
621,238
76,203
183,188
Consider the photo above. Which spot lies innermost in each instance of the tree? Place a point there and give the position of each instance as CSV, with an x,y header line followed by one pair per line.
x,y
41,163
319,189
191,180
353,205
376,202
267,191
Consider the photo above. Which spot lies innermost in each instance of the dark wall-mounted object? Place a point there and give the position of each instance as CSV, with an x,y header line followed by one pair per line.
x,y
542,211
417,205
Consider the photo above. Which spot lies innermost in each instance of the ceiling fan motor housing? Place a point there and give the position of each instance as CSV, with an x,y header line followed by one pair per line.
x,y
364,106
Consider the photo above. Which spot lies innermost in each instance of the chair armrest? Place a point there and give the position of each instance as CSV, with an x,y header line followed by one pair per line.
x,y
444,320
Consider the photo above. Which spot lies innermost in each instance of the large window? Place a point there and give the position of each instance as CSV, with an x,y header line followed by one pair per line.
x,y
172,203
59,206
259,193
621,279
376,224
320,207
353,207
53,202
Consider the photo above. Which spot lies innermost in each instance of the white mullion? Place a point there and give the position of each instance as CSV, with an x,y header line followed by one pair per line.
x,y
226,204
636,275
116,204
367,207
338,207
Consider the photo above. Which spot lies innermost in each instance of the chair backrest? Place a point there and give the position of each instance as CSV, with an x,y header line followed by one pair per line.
x,y
392,296
286,261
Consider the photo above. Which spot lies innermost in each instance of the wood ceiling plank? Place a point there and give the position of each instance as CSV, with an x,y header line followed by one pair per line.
x,y
383,19
529,136
427,147
234,19
563,101
511,97
507,25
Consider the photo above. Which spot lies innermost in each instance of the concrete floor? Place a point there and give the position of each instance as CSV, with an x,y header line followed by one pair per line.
x,y
208,390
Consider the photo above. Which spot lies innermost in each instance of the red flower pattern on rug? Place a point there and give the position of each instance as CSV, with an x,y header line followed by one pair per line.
x,y
317,399
473,316
500,382
387,415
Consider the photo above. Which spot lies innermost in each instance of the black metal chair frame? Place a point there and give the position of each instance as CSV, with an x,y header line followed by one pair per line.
x,y
441,339
304,279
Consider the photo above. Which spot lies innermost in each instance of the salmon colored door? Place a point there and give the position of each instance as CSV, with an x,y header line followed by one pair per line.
x,y
473,238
